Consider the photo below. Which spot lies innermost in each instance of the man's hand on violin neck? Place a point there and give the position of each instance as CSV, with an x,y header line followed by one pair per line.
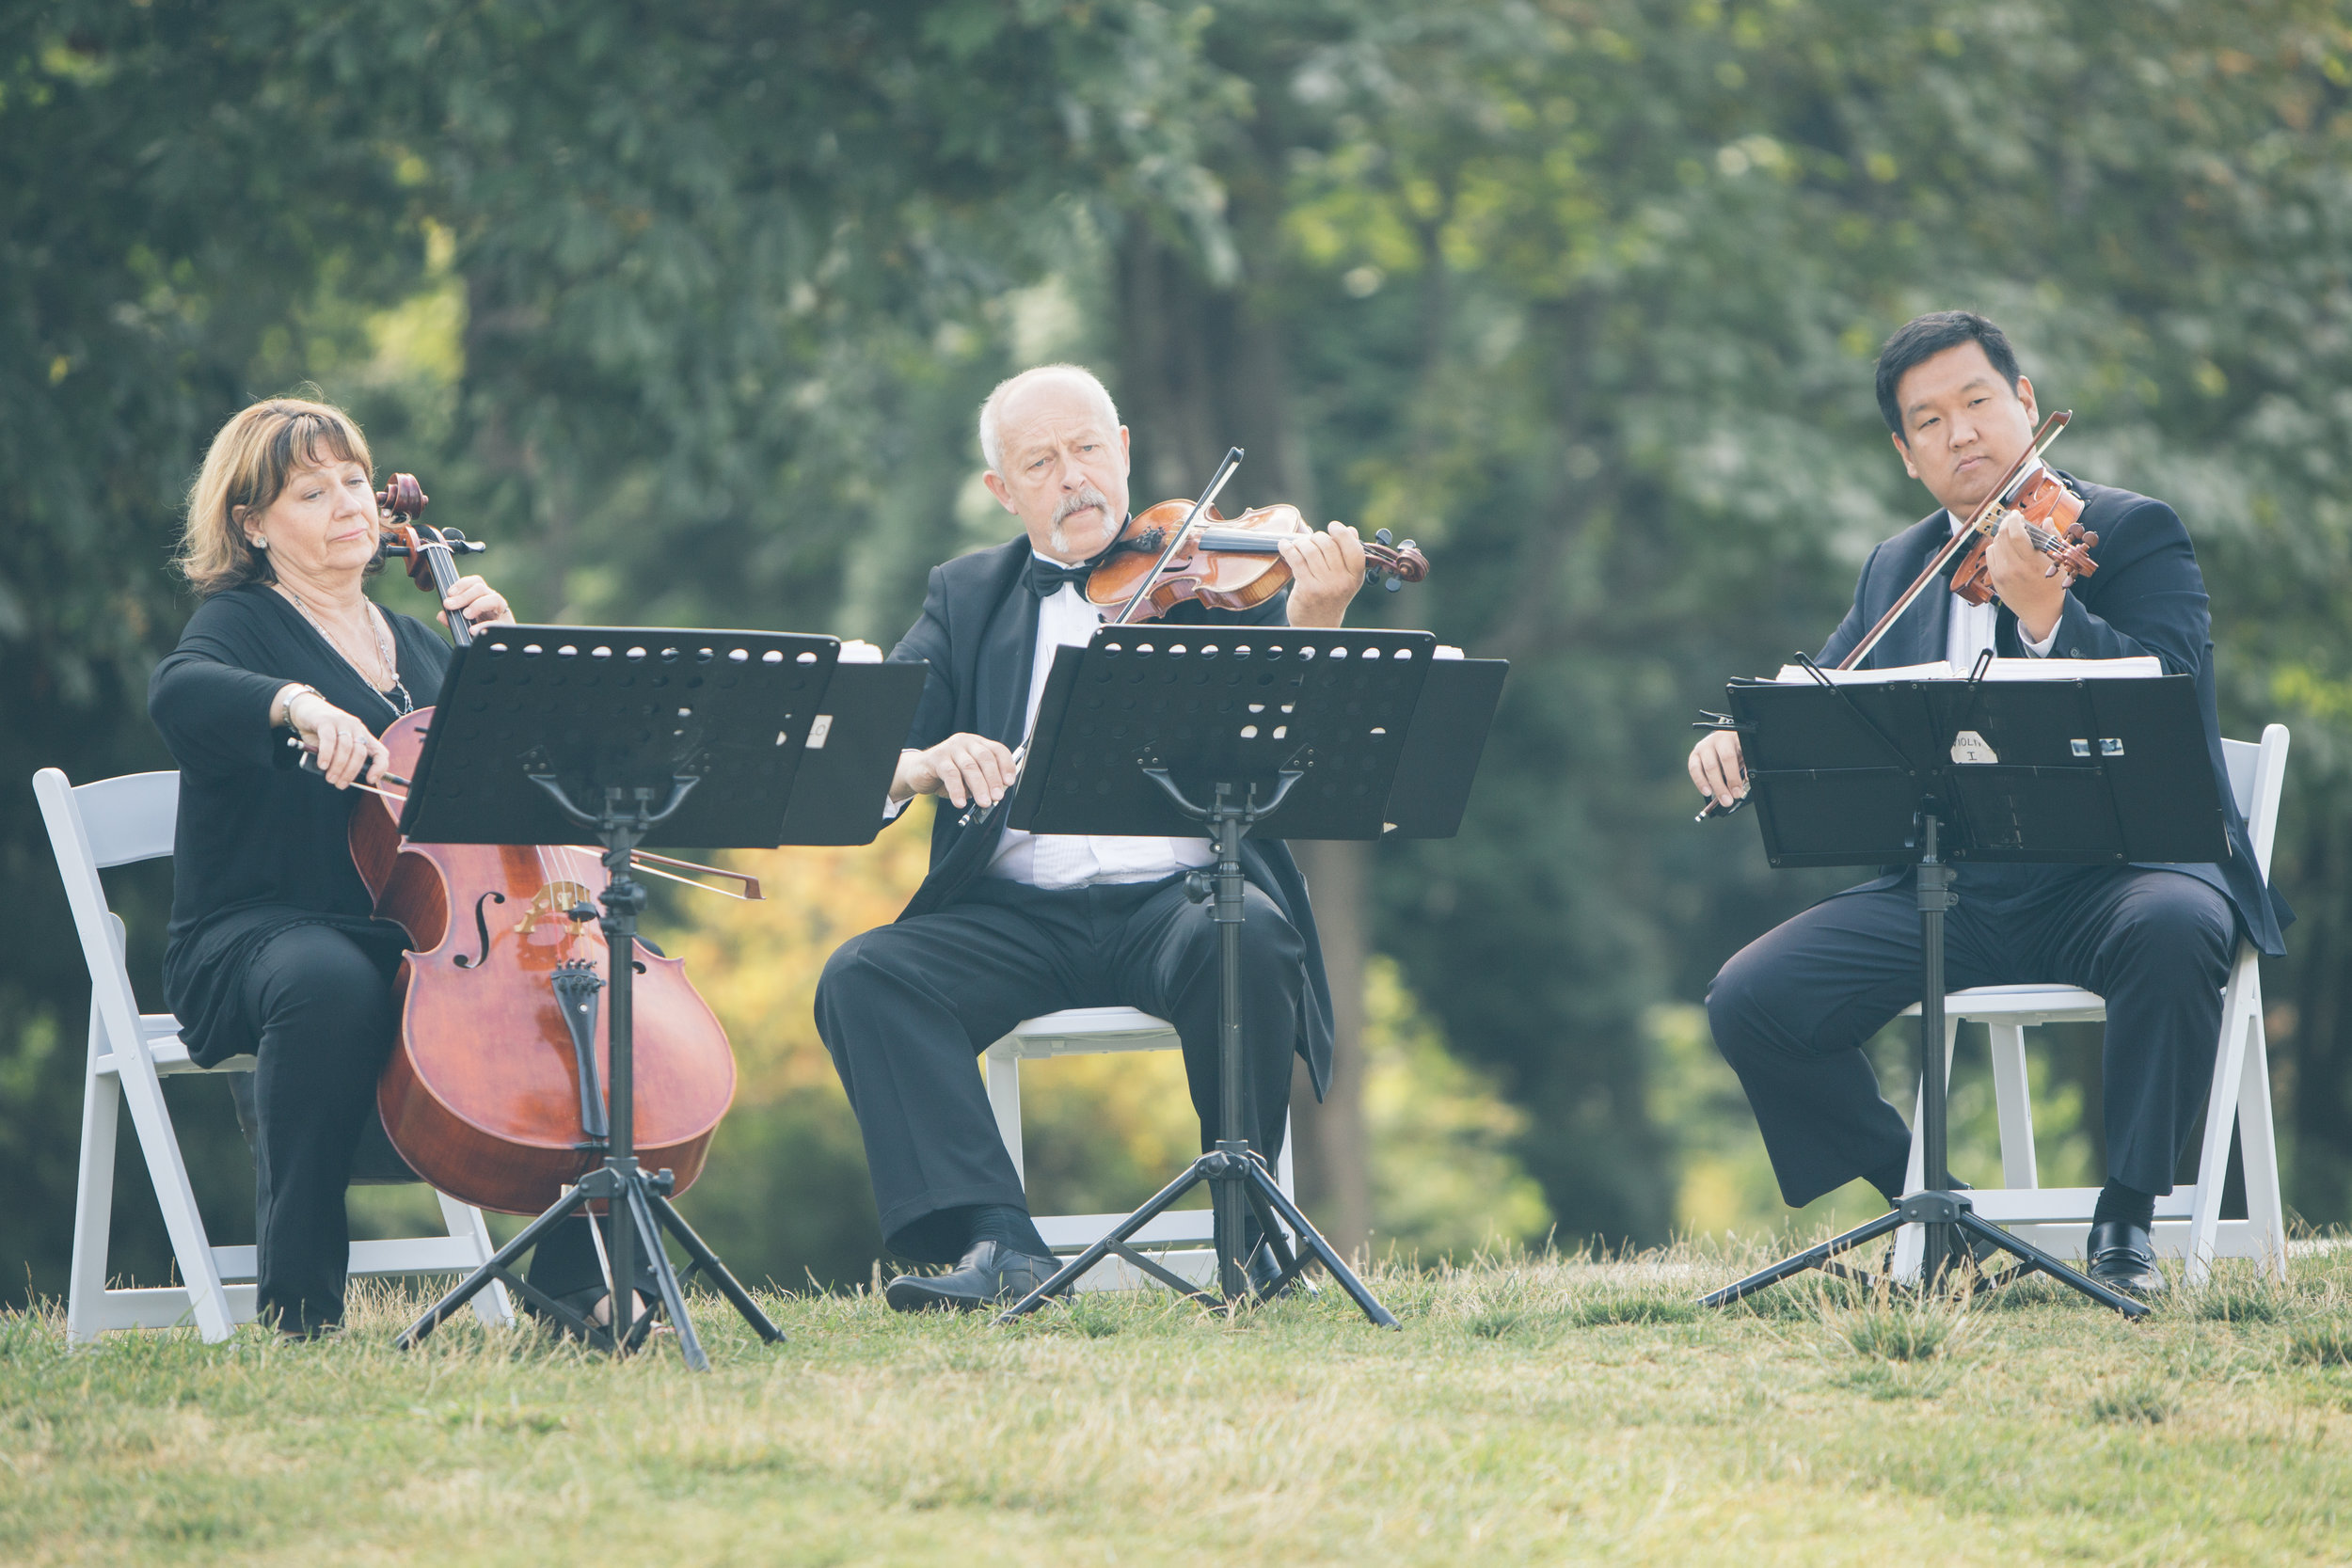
x,y
1326,569
2022,576
1716,767
963,768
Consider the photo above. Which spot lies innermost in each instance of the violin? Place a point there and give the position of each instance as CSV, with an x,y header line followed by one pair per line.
x,y
2053,523
494,1092
1225,562
2052,513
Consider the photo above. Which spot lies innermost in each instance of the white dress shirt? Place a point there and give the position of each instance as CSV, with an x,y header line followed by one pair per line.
x,y
1969,632
1065,619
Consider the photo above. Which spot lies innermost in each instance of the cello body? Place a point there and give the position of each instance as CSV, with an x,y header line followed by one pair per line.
x,y
482,1093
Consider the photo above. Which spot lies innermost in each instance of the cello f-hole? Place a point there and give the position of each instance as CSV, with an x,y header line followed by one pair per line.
x,y
483,927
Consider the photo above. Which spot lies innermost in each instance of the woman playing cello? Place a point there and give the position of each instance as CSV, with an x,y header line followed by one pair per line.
x,y
273,948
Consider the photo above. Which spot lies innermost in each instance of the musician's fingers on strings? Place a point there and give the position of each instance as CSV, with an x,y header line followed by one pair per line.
x,y
481,602
1350,545
1324,558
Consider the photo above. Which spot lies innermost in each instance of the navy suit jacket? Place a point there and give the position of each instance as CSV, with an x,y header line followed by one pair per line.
x,y
979,631
2146,598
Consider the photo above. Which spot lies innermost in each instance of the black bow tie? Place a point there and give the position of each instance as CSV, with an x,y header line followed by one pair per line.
x,y
1046,576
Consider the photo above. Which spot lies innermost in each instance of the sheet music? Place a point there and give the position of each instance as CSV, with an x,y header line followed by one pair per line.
x,y
2143,667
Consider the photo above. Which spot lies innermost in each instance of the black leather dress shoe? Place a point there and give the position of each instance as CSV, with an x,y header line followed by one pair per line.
x,y
2123,1257
991,1275
1265,1268
1263,1272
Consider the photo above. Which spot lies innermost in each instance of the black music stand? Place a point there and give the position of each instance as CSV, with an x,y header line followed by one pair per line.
x,y
681,737
2079,772
1163,730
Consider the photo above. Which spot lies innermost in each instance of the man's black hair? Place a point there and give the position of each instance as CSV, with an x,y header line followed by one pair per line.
x,y
1924,338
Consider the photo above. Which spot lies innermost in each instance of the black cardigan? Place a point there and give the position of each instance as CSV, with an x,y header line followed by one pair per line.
x,y
261,846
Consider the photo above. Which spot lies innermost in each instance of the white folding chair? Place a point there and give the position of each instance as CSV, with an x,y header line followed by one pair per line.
x,y
1085,1031
2189,1220
114,822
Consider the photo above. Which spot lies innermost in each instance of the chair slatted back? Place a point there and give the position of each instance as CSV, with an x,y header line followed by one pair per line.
x,y
112,822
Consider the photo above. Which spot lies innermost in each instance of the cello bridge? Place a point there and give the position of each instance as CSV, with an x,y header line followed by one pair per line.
x,y
554,901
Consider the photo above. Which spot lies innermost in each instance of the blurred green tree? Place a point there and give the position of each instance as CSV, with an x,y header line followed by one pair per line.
x,y
688,309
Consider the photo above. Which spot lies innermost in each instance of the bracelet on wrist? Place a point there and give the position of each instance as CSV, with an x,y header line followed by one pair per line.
x,y
286,702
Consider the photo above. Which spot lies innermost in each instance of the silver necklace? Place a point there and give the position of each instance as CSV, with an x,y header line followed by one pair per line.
x,y
395,696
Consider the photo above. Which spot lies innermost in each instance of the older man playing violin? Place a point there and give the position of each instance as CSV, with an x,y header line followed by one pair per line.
x,y
1008,926
1791,1011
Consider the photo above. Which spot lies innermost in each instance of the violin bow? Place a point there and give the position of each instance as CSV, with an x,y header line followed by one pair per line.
x,y
1993,506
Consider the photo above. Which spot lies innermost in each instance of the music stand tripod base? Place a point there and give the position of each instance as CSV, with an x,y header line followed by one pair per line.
x,y
1238,1180
1166,729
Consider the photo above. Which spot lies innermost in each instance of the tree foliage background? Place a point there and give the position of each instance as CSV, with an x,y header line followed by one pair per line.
x,y
688,308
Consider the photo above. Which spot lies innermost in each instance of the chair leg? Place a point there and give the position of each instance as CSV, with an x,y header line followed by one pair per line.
x,y
168,1174
2012,1097
93,1199
2241,1011
2258,1146
465,1222
1004,1098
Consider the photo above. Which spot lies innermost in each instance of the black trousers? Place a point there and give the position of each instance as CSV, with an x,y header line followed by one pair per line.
x,y
906,1008
322,1008
1792,1009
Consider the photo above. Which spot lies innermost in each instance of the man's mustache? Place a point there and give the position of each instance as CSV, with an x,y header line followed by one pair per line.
x,y
1087,497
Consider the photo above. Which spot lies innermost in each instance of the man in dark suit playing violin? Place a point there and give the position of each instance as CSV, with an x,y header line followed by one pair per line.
x,y
1010,926
1791,1011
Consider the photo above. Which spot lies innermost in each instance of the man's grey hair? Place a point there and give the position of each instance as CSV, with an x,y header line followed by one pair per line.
x,y
992,444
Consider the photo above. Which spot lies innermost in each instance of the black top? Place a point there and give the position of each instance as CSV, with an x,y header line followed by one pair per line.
x,y
261,845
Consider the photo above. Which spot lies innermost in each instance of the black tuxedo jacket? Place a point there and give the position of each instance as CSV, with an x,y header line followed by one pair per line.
x,y
979,631
2146,598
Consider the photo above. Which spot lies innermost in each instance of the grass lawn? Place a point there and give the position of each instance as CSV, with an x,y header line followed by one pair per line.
x,y
1532,1410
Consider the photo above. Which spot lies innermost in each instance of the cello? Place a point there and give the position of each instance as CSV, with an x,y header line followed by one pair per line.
x,y
495,1090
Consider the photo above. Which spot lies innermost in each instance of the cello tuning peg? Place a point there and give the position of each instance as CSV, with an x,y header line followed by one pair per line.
x,y
1392,582
1383,536
1407,546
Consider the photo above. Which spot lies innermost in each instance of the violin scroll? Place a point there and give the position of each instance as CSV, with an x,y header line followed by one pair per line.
x,y
1391,564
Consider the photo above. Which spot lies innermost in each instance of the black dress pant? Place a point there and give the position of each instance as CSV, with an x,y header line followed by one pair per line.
x,y
320,1005
1791,1011
906,1008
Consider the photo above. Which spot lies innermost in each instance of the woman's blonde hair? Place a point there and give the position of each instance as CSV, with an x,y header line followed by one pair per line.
x,y
246,467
